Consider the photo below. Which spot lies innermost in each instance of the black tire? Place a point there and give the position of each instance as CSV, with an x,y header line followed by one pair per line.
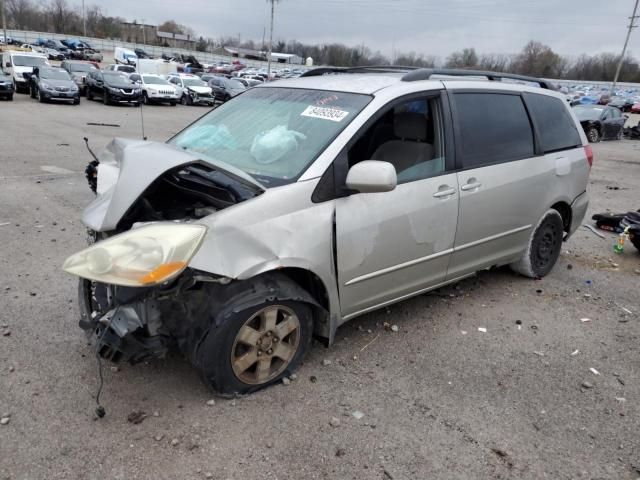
x,y
172,103
183,100
76,101
214,356
32,91
543,248
593,135
39,96
89,94
10,98
105,98
145,98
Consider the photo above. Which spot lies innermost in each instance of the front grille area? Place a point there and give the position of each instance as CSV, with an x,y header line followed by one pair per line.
x,y
62,89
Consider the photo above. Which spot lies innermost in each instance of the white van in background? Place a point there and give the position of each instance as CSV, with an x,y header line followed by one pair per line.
x,y
156,66
125,56
16,64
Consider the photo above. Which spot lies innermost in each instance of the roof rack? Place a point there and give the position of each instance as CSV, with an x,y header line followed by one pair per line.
x,y
427,73
364,69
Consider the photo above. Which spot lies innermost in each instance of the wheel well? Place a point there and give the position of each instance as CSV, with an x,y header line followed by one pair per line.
x,y
564,210
310,282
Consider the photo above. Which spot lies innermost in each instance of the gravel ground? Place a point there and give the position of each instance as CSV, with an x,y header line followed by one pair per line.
x,y
440,399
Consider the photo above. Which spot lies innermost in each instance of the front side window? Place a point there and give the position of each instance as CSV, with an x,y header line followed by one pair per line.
x,y
555,126
272,134
409,135
492,128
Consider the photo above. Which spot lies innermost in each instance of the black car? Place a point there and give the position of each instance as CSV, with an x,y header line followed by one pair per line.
x,y
624,104
600,122
141,53
53,84
112,87
223,88
6,86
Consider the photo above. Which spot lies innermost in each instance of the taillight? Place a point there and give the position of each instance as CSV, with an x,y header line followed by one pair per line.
x,y
589,153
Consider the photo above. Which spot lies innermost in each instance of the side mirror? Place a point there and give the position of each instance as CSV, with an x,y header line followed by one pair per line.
x,y
372,176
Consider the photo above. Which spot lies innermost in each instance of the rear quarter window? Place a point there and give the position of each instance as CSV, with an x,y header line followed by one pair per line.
x,y
492,128
554,124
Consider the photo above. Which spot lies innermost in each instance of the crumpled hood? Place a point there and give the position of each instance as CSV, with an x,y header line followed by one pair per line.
x,y
127,167
200,89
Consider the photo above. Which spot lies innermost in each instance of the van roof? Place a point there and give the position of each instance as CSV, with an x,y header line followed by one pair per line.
x,y
368,80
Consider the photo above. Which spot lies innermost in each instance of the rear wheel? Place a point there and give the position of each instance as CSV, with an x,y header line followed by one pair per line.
x,y
593,135
105,98
89,94
544,247
39,96
145,98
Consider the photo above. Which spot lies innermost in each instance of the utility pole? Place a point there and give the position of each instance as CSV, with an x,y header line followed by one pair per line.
x,y
4,20
273,11
632,25
144,34
84,21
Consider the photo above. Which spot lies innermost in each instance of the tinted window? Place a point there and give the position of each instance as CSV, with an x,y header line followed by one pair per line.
x,y
555,126
492,128
615,113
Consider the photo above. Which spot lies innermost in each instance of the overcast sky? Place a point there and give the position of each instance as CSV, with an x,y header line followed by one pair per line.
x,y
425,26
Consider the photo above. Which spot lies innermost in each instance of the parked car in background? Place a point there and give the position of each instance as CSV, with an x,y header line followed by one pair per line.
x,y
635,108
125,56
55,45
604,99
156,89
78,71
112,87
194,90
600,122
19,66
248,82
116,67
140,53
6,86
53,84
224,88
624,104
91,55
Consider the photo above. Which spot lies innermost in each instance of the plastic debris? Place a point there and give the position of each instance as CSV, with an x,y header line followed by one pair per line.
x,y
594,371
575,352
463,332
3,224
482,329
585,320
540,354
357,414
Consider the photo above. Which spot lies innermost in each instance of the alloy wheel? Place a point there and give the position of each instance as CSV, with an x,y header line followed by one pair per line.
x,y
265,345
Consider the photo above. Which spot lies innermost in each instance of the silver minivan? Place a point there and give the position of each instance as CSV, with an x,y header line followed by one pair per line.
x,y
303,203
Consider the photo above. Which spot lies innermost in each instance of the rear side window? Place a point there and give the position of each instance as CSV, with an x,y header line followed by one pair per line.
x,y
555,126
492,128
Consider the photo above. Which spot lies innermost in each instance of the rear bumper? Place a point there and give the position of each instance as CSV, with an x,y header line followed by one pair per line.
x,y
578,211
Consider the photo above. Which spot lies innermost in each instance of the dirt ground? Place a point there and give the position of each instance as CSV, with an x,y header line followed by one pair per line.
x,y
440,399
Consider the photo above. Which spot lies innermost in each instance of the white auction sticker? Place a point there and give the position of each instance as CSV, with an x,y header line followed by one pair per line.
x,y
332,114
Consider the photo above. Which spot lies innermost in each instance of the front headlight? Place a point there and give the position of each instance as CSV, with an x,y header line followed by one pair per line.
x,y
45,86
142,257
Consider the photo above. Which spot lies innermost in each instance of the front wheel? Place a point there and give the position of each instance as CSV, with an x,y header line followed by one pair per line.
x,y
593,135
105,98
543,248
89,94
255,346
39,96
183,100
172,103
145,98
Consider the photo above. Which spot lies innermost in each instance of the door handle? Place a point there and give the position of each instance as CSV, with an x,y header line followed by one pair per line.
x,y
445,192
470,186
